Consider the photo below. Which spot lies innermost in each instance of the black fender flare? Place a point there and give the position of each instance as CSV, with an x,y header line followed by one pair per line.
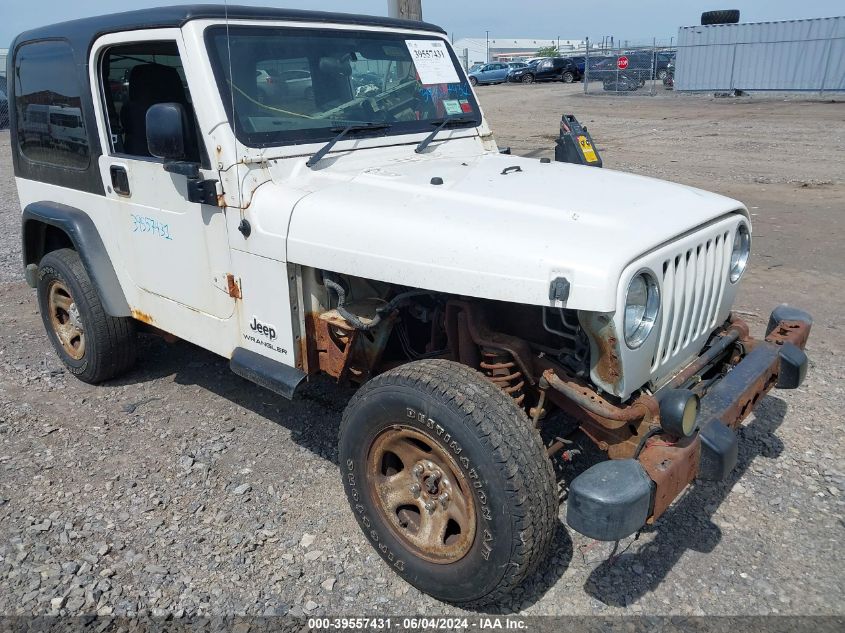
x,y
85,237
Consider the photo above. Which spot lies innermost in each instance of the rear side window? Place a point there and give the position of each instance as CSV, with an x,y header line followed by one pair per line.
x,y
51,129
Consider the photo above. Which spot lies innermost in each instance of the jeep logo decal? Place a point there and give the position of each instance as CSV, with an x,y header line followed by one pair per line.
x,y
261,328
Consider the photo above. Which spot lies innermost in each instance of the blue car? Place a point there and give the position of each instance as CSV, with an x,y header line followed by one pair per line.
x,y
495,73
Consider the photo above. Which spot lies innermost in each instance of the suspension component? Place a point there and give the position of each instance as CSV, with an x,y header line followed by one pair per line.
x,y
501,369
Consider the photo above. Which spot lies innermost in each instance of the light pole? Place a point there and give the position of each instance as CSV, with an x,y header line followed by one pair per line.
x,y
405,9
488,47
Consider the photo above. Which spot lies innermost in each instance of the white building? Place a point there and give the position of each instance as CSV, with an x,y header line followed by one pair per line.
x,y
3,54
472,50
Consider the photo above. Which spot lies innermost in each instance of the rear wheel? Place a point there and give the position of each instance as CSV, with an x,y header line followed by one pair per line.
x,y
92,345
448,480
528,78
567,77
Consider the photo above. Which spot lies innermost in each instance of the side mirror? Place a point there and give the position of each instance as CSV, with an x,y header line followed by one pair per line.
x,y
166,124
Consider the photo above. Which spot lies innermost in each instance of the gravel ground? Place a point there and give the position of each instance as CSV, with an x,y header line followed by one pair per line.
x,y
183,490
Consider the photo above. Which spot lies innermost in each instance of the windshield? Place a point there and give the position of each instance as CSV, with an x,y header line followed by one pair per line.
x,y
299,85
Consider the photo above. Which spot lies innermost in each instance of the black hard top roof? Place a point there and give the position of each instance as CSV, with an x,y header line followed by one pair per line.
x,y
176,16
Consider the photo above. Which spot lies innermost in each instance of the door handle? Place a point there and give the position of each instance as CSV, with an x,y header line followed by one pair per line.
x,y
119,180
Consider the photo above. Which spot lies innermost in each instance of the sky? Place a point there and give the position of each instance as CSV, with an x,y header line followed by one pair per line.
x,y
633,20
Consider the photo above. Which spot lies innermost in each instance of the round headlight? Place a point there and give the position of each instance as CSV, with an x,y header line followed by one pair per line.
x,y
642,304
739,255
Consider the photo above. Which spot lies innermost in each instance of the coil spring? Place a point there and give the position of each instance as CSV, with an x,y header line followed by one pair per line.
x,y
503,372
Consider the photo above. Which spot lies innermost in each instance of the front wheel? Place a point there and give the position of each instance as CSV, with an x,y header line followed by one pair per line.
x,y
473,81
528,79
661,74
92,345
448,480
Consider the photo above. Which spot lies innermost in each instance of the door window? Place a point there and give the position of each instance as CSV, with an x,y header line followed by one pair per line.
x,y
136,77
49,106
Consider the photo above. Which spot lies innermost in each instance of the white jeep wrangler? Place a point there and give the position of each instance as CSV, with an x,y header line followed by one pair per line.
x,y
308,193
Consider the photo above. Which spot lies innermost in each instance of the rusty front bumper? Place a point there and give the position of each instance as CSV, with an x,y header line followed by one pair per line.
x,y
615,498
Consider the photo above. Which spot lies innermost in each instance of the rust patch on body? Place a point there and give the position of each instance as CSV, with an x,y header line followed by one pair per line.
x,y
671,466
612,416
795,332
608,367
142,316
602,331
334,346
232,286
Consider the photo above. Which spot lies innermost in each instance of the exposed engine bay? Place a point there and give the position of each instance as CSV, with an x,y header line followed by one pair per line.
x,y
363,327
540,356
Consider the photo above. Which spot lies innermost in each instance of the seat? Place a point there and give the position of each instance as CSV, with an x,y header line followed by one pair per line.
x,y
150,84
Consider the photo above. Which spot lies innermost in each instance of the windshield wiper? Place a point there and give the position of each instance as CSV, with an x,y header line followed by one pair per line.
x,y
342,132
441,123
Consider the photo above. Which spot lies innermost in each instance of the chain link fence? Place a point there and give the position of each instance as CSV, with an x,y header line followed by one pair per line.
x,y
4,93
629,70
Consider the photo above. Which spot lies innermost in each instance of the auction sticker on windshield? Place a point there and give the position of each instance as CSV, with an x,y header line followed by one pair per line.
x,y
433,62
452,106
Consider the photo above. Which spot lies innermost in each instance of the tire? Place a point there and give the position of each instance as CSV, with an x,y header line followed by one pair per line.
x,y
473,432
730,16
567,77
92,345
661,74
473,81
527,79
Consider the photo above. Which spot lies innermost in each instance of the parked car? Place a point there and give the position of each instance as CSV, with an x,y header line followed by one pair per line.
x,y
264,82
494,73
664,61
579,61
606,70
470,297
547,69
4,110
512,66
297,83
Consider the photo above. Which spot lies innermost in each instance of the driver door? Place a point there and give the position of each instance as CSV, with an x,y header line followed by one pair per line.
x,y
170,247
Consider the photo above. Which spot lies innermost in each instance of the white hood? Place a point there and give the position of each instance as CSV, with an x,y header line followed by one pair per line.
x,y
488,235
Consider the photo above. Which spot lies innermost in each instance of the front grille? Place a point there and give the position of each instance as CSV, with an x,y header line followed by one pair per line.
x,y
693,284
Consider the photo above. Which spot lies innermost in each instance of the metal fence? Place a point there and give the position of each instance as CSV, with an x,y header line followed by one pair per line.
x,y
629,70
804,55
4,103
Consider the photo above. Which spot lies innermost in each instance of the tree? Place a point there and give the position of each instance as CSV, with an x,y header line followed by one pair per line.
x,y
548,51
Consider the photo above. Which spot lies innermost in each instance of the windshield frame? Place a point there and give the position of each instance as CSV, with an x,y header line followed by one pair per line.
x,y
319,135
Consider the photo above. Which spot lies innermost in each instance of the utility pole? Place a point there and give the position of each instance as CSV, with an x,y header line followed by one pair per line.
x,y
405,9
488,47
